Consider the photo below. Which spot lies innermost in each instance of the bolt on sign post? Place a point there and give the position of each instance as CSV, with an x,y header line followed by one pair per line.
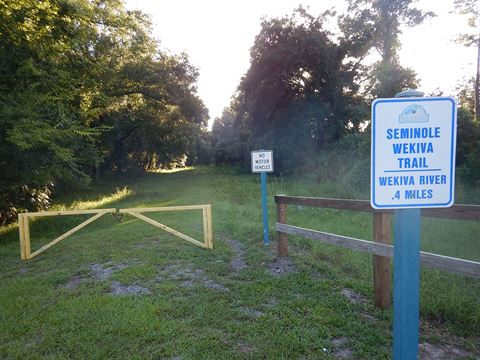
x,y
413,167
262,162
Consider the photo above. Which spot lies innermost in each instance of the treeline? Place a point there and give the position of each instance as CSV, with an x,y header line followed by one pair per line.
x,y
308,87
84,91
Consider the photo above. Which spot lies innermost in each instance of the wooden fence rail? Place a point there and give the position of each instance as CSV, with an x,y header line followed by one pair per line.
x,y
381,249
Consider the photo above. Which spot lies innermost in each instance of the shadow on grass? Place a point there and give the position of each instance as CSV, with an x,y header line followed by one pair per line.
x,y
108,193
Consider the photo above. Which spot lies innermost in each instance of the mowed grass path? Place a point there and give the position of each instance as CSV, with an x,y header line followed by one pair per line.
x,y
128,290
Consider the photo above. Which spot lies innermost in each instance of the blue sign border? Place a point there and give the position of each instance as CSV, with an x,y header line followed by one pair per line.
x,y
452,153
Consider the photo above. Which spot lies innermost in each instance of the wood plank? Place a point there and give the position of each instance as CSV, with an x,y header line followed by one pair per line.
x,y
68,233
450,264
162,208
343,241
282,243
381,265
210,226
26,230
454,265
458,212
21,235
166,228
205,226
340,204
69,212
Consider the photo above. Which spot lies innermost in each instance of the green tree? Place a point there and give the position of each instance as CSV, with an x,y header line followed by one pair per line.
x,y
468,135
228,142
300,92
472,9
378,22
300,88
84,88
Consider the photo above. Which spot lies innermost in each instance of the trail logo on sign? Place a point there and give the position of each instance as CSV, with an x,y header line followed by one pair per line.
x,y
413,152
262,161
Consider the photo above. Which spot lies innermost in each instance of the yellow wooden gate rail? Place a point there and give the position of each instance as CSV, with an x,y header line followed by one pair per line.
x,y
24,225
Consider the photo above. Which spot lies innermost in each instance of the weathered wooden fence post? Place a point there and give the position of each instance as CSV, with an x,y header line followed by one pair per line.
x,y
381,264
21,232
282,245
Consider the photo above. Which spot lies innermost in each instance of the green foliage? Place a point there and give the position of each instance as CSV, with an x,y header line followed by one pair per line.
x,y
468,135
378,24
347,164
229,137
84,89
472,38
307,88
299,92
388,79
472,10
381,21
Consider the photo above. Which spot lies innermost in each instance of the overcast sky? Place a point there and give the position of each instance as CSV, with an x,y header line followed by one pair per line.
x,y
217,36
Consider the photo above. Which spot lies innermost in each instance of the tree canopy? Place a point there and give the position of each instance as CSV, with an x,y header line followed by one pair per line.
x,y
84,89
379,22
471,8
299,90
307,86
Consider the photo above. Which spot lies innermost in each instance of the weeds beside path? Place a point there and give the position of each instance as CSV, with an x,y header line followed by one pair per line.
x,y
128,290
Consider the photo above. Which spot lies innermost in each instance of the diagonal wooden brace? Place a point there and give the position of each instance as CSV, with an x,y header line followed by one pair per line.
x,y
166,228
29,255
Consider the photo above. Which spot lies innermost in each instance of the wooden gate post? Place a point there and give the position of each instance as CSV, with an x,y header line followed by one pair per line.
x,y
381,265
282,244
21,231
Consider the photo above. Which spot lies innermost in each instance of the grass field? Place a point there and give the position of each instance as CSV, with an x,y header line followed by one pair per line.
x,y
128,290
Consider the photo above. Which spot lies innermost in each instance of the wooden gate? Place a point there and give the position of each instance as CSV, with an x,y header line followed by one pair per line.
x,y
24,225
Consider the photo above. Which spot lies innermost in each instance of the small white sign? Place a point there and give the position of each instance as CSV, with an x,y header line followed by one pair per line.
x,y
413,152
262,161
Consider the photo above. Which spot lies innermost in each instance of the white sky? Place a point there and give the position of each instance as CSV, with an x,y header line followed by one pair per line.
x,y
217,36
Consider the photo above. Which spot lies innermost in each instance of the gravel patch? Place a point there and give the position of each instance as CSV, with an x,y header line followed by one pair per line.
x,y
189,277
343,354
317,275
281,266
341,351
250,311
104,271
353,297
339,342
119,289
368,317
272,303
428,351
101,272
208,283
237,263
141,246
73,282
188,284
245,348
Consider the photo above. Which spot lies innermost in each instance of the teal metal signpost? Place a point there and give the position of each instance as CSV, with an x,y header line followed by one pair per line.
x,y
413,167
262,162
406,283
263,180
406,278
